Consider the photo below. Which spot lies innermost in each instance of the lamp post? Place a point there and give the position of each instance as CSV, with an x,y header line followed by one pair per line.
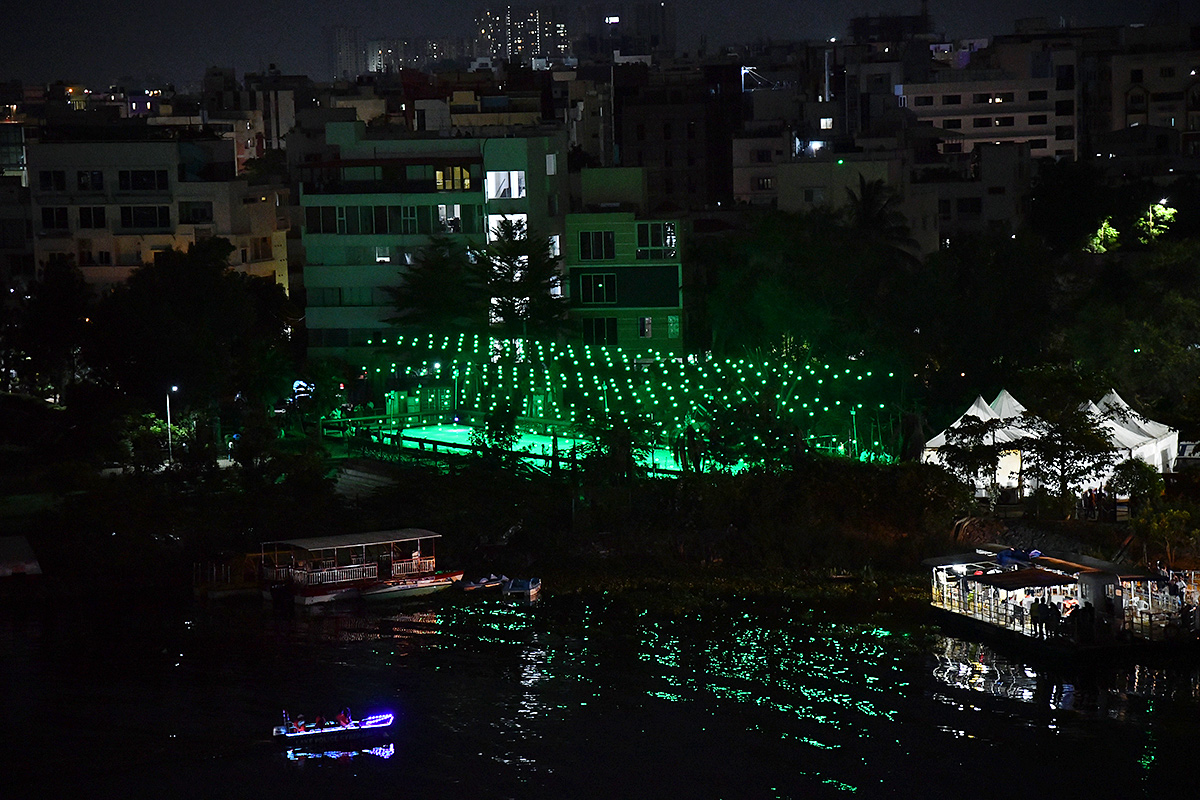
x,y
170,458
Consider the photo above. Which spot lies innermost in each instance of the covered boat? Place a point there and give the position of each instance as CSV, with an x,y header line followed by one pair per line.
x,y
382,564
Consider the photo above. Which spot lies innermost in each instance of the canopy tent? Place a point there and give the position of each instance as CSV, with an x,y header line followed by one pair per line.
x,y
1161,445
1131,434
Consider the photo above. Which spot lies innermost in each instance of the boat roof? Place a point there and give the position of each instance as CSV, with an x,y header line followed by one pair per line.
x,y
356,539
1031,578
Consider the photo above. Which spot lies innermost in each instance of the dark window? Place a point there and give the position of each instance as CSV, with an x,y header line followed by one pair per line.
x,y
952,124
1135,76
54,218
995,190
1038,94
923,100
656,240
951,99
598,288
1064,108
90,181
91,217
952,147
52,180
597,246
1037,119
142,180
969,205
104,257
145,216
197,212
1005,122
666,130
1166,72
981,122
1064,77
601,330
1006,97
945,207
1037,144
1063,132
981,97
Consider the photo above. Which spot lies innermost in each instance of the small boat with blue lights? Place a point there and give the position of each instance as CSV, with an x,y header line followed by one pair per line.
x,y
310,736
377,565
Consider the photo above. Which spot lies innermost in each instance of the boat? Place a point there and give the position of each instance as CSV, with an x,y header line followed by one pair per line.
x,y
295,734
377,565
526,588
490,582
1064,604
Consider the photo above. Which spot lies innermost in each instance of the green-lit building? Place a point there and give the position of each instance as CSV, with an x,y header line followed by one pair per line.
x,y
372,204
624,268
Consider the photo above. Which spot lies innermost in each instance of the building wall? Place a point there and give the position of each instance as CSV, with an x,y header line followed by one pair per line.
x,y
349,266
625,284
86,212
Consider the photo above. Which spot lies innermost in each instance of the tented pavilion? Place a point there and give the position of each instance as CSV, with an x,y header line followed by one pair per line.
x,y
1132,436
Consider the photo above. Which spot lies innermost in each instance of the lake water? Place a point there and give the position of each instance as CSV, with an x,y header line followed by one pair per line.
x,y
570,698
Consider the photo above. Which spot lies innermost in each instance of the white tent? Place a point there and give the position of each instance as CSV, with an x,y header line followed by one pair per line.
x,y
1132,435
1160,447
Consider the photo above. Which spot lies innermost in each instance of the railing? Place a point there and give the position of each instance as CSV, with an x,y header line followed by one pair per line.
x,y
318,577
413,566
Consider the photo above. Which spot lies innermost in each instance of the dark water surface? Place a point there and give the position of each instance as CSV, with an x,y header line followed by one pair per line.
x,y
570,699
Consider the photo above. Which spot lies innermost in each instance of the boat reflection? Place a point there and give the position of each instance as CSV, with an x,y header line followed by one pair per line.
x,y
1121,692
384,751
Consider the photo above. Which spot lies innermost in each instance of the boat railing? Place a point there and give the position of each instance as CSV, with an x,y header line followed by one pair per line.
x,y
319,577
413,566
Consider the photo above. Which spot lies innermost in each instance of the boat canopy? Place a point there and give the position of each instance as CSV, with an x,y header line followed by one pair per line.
x,y
1013,579
315,543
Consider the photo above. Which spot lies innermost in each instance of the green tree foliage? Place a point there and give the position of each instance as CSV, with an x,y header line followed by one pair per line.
x,y
613,448
802,284
1066,448
972,452
1137,480
1154,223
499,433
1170,529
873,213
190,320
523,283
444,290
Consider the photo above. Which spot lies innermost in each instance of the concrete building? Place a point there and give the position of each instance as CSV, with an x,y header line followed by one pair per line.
x,y
624,267
380,196
109,199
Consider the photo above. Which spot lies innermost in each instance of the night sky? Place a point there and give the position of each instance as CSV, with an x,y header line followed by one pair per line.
x,y
48,40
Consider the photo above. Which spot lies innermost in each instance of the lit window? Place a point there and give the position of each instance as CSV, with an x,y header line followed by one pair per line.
x,y
826,123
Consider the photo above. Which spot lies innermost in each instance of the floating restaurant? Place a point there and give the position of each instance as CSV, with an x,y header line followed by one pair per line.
x,y
1065,602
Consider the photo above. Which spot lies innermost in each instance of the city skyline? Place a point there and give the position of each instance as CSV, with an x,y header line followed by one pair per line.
x,y
173,43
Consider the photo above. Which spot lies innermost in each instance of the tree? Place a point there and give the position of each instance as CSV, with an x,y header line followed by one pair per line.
x,y
51,326
1154,223
1066,447
1169,528
524,283
190,320
444,290
972,449
1138,481
873,212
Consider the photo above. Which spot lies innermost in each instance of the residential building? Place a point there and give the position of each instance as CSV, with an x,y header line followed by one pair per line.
x,y
379,194
110,199
624,267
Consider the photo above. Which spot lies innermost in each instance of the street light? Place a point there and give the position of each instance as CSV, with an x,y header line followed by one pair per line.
x,y
169,452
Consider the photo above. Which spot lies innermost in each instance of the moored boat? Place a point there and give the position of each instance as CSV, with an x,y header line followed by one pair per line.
x,y
527,588
490,582
378,565
1063,603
